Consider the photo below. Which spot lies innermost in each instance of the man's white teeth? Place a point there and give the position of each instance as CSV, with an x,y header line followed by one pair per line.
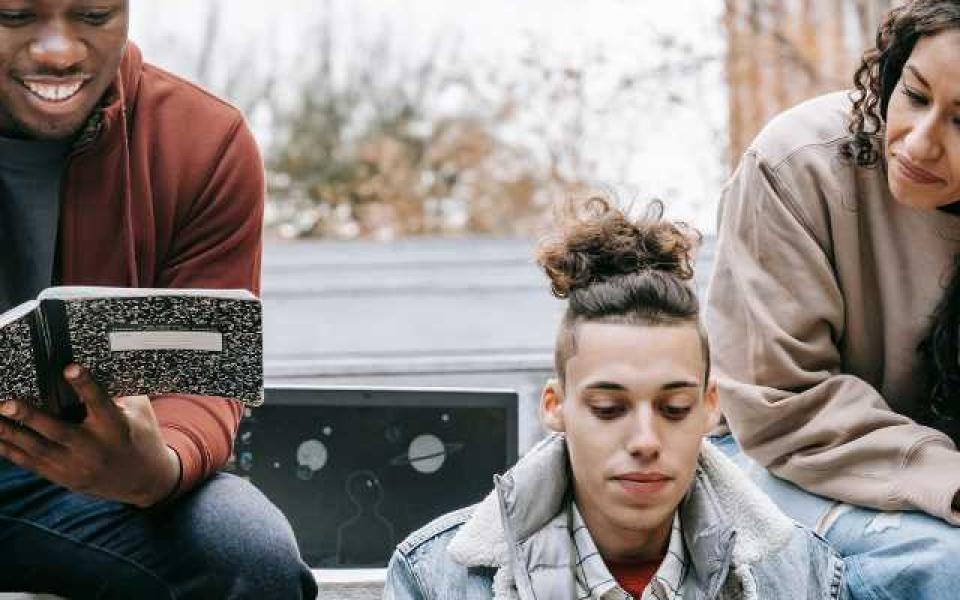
x,y
53,92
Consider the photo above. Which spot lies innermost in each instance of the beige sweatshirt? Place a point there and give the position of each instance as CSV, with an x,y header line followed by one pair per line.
x,y
822,288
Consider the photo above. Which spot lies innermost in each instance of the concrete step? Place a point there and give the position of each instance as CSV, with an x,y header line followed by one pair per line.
x,y
335,584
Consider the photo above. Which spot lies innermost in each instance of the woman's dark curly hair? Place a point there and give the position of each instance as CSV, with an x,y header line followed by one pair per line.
x,y
875,81
940,352
615,269
880,68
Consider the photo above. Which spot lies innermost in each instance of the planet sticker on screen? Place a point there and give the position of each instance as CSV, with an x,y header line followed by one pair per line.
x,y
311,457
426,454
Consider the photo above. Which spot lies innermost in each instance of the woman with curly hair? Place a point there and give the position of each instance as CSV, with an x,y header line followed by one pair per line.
x,y
834,306
625,500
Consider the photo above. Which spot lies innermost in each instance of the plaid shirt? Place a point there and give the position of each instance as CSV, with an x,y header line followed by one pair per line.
x,y
594,581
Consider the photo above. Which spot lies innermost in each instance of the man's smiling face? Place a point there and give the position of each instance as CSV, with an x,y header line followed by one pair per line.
x,y
58,57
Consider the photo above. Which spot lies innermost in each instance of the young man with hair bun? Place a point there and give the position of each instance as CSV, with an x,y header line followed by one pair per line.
x,y
625,499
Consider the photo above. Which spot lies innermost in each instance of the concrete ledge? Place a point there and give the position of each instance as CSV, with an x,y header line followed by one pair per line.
x,y
350,584
334,584
408,365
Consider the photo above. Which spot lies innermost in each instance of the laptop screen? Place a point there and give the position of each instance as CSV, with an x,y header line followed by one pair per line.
x,y
357,469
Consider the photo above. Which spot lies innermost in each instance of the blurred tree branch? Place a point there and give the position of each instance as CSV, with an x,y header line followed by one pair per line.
x,y
211,32
781,53
369,142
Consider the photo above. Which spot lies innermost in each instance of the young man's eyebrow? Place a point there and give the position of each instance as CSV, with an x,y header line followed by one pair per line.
x,y
669,386
605,385
680,384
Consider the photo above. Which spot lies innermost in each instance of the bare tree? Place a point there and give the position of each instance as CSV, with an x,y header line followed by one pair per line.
x,y
780,53
365,153
357,146
208,43
869,13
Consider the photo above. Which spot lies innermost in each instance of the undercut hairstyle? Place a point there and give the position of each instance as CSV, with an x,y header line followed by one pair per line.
x,y
614,269
881,67
876,80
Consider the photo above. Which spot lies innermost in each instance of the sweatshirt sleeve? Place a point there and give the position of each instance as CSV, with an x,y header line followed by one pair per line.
x,y
776,314
218,245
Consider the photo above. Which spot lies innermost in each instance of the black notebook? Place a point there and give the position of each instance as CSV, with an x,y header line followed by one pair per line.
x,y
134,341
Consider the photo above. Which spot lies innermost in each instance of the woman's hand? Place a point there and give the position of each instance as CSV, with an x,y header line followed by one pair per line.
x,y
117,453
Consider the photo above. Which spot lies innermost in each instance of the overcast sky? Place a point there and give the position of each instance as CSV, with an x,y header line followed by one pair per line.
x,y
682,147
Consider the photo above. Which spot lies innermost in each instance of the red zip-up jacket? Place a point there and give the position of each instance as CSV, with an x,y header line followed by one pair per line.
x,y
165,189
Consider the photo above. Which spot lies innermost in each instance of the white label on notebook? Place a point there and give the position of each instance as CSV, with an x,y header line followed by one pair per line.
x,y
203,341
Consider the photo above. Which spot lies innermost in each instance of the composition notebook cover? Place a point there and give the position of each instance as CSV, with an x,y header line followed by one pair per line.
x,y
135,341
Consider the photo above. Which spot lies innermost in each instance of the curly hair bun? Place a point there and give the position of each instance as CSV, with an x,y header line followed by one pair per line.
x,y
596,242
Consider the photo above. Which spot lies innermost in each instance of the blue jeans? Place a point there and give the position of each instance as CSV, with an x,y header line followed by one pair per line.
x,y
222,540
889,555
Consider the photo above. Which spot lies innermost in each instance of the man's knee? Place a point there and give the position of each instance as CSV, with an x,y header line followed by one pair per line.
x,y
901,555
247,544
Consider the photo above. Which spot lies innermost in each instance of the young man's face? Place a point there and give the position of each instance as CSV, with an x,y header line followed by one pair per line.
x,y
57,58
634,412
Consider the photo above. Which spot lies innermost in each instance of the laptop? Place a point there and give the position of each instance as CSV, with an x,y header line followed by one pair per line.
x,y
356,470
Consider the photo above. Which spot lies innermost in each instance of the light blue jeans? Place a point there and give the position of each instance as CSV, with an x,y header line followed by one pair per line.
x,y
889,555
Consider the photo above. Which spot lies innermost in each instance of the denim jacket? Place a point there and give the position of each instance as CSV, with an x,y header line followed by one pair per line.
x,y
516,543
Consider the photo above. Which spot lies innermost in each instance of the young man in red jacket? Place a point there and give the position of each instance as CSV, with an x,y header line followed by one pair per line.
x,y
114,172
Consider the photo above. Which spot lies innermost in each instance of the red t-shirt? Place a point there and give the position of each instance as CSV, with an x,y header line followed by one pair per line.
x,y
635,575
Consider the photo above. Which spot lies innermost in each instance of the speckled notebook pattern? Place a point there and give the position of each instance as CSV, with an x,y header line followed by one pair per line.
x,y
19,371
235,372
232,368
